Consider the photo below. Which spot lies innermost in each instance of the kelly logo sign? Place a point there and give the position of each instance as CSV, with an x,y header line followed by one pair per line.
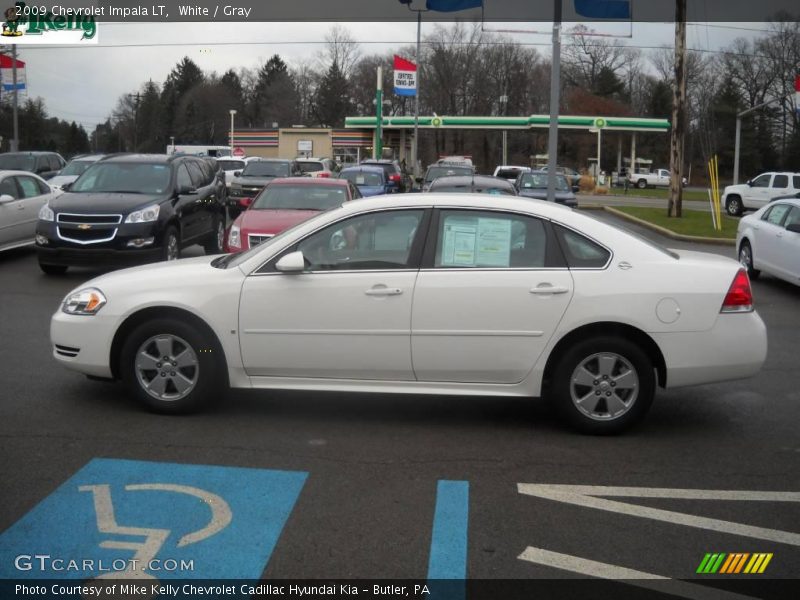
x,y
36,25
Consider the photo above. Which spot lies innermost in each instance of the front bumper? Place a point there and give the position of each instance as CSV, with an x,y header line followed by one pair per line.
x,y
83,343
735,348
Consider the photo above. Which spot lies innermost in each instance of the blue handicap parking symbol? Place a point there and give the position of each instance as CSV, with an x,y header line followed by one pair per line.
x,y
135,519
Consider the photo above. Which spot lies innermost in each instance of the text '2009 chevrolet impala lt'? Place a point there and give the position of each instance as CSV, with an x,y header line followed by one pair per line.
x,y
425,293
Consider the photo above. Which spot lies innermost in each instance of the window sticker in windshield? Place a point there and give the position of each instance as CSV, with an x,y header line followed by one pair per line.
x,y
470,242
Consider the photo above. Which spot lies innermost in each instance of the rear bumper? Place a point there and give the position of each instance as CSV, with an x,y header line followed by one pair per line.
x,y
735,348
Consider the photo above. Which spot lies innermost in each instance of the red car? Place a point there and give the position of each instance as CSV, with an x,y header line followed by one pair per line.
x,y
283,203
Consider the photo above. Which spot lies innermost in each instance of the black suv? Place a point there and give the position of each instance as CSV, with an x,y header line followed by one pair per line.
x,y
394,172
44,164
132,208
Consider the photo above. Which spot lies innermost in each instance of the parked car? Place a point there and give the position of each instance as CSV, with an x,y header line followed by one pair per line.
x,y
73,170
463,161
257,173
572,176
520,298
394,172
658,178
437,170
285,202
473,184
371,180
534,185
22,195
510,172
230,165
759,191
43,164
132,208
769,240
318,167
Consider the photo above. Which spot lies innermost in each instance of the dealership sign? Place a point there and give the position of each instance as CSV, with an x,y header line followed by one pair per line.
x,y
37,25
405,77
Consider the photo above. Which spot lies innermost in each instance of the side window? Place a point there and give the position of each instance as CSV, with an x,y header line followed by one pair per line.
x,y
780,181
29,187
796,182
761,181
580,251
183,180
43,187
196,174
483,239
55,163
775,214
9,187
793,218
373,241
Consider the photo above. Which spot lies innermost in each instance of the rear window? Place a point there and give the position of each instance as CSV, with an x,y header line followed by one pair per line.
x,y
362,178
300,197
311,167
231,165
434,172
262,168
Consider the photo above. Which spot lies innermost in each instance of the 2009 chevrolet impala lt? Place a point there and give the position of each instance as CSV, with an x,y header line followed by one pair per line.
x,y
433,294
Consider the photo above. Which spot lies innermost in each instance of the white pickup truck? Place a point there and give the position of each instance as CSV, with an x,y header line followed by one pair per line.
x,y
759,191
658,178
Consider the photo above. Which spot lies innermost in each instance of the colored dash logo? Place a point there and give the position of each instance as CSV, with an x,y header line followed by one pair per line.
x,y
734,563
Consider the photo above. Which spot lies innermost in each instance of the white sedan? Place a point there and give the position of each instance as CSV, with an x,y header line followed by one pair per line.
x,y
769,240
425,293
22,195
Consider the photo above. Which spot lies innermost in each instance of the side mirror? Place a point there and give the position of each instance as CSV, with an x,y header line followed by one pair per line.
x,y
237,173
186,189
66,186
294,262
793,227
6,198
749,182
576,189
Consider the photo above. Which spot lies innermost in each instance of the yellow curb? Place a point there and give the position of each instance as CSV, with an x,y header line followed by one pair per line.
x,y
662,230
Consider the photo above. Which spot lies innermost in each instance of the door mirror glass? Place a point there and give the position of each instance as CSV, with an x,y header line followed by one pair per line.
x,y
294,262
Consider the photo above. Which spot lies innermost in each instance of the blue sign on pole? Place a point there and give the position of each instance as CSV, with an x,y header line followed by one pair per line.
x,y
148,520
604,9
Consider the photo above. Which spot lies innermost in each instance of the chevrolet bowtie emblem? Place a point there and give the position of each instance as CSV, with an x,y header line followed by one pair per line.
x,y
84,226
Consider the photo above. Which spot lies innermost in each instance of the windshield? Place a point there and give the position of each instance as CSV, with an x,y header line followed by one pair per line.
x,y
538,181
76,167
478,189
299,197
311,167
231,165
435,172
263,168
362,178
126,178
17,162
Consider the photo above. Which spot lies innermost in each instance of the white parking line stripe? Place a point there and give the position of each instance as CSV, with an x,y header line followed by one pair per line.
x,y
592,568
586,496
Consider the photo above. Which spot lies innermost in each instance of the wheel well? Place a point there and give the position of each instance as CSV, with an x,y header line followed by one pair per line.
x,y
628,332
158,312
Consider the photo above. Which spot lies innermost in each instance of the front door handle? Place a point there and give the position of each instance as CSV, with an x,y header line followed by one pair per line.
x,y
383,291
548,288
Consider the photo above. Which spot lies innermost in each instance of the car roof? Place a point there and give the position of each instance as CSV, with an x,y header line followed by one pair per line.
x,y
303,181
30,153
263,159
145,158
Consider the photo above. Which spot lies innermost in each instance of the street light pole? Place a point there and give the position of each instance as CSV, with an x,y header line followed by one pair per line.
x,y
555,95
415,141
233,114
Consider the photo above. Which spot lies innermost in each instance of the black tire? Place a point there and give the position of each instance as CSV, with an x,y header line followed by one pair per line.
x,y
216,239
52,269
733,206
641,184
746,258
168,250
627,365
203,366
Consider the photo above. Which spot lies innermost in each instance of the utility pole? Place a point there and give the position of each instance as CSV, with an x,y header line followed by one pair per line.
x,y
15,99
555,98
675,208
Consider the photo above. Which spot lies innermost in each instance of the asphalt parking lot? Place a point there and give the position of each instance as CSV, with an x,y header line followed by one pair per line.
x,y
363,486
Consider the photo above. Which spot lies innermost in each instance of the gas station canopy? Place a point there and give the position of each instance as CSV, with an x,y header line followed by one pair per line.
x,y
533,121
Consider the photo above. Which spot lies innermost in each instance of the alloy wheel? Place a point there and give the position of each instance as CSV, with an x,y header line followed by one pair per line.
x,y
167,367
604,386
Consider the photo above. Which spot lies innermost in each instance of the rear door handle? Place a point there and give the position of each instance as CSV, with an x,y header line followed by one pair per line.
x,y
383,291
547,288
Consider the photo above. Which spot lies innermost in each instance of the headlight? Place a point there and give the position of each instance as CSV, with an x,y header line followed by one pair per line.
x,y
46,213
234,237
146,215
84,302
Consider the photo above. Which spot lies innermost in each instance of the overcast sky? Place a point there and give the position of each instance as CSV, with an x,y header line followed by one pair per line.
x,y
83,84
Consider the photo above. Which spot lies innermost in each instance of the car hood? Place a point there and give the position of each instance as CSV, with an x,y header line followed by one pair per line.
x,y
741,187
154,274
89,203
272,221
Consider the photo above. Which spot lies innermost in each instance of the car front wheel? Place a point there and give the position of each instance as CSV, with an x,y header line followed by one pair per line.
x,y
172,245
603,385
171,366
733,206
641,184
746,258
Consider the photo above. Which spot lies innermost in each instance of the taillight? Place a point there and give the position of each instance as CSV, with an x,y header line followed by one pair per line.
x,y
324,174
739,297
394,177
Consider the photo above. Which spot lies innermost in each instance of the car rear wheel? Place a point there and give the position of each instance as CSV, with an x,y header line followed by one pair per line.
x,y
733,206
216,241
52,269
603,385
746,258
172,245
641,184
171,366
